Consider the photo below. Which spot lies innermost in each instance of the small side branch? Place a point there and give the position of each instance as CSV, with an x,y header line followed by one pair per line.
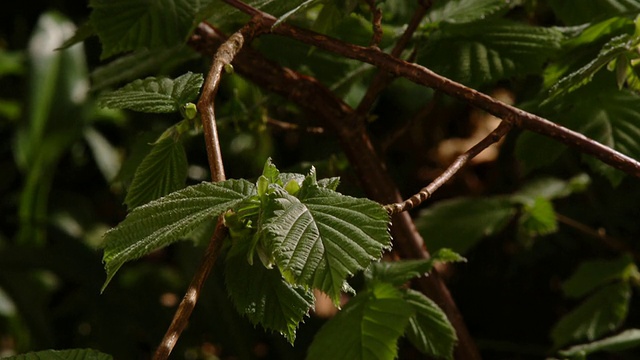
x,y
458,164
221,59
376,22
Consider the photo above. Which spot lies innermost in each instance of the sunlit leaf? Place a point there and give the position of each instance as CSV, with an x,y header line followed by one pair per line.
x,y
601,313
322,237
168,219
429,330
155,95
367,328
538,218
263,295
162,171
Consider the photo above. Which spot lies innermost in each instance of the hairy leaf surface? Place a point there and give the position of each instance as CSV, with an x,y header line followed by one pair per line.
x,y
322,237
429,330
162,171
155,95
367,328
263,295
599,314
168,219
485,52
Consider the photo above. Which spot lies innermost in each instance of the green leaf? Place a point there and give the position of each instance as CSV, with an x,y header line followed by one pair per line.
x,y
125,25
574,12
599,314
551,188
625,340
323,237
399,272
367,328
82,33
464,11
155,95
138,64
460,223
593,274
485,52
617,46
162,171
538,218
263,295
429,330
72,354
168,219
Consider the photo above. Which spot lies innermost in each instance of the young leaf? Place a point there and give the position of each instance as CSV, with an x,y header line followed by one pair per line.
x,y
610,51
625,340
263,295
323,237
168,219
460,223
71,354
464,11
429,330
485,52
551,188
399,272
599,314
125,25
367,328
162,171
538,218
155,95
593,274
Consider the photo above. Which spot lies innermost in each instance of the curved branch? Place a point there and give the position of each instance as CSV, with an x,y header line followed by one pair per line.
x,y
423,76
458,164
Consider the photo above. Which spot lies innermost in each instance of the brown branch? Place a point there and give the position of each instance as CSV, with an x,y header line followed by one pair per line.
x,y
188,303
312,96
222,57
458,164
383,78
294,127
423,76
376,23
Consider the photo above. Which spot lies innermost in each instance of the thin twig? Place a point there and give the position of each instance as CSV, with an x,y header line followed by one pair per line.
x,y
458,164
423,76
188,303
294,127
316,99
383,78
376,23
222,58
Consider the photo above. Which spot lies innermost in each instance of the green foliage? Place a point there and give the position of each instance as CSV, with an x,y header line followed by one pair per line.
x,y
625,340
573,12
168,219
155,95
484,52
464,11
594,274
429,330
74,354
599,314
162,171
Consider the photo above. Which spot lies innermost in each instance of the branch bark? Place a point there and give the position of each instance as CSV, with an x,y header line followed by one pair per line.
x,y
338,117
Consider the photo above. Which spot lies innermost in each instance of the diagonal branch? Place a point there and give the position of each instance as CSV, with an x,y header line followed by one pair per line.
x,y
423,76
337,116
221,59
458,164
